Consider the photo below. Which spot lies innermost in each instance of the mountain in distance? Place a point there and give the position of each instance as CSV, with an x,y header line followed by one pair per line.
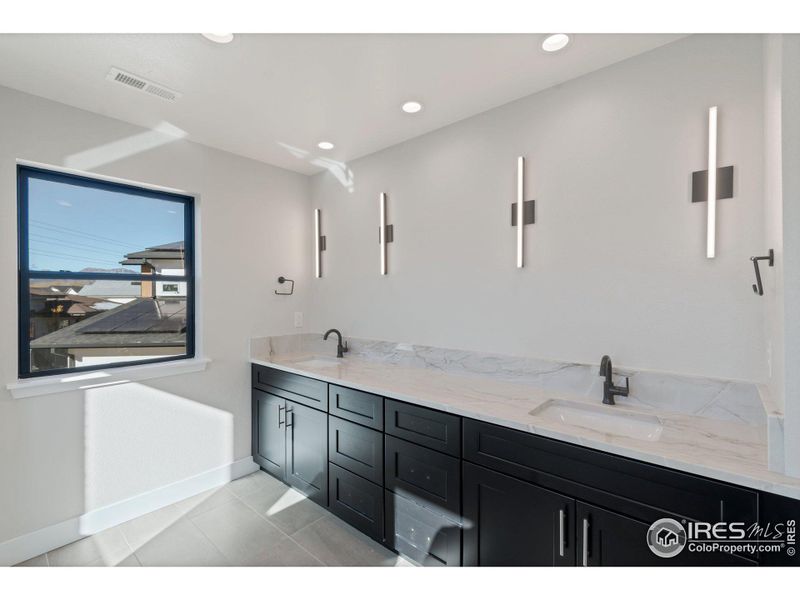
x,y
116,270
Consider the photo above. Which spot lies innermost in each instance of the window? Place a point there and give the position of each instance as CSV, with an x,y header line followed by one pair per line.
x,y
106,274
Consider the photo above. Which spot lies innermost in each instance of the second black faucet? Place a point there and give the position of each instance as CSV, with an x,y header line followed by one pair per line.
x,y
341,347
609,389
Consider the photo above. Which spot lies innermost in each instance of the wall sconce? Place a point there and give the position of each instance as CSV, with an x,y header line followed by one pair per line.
x,y
385,232
319,244
523,212
710,189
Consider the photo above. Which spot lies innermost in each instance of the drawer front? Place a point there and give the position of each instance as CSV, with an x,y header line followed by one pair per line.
x,y
293,387
356,448
425,536
356,501
358,407
603,477
428,477
423,426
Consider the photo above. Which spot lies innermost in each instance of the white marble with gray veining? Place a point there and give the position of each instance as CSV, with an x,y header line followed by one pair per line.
x,y
712,428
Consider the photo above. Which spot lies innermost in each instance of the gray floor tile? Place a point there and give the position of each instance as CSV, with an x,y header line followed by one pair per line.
x,y
205,501
107,547
255,482
287,509
36,561
141,530
288,553
240,534
130,561
335,543
180,544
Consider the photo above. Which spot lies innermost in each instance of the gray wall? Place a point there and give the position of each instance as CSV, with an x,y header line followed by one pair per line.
x,y
616,260
64,454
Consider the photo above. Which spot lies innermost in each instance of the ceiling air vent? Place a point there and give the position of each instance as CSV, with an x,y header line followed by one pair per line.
x,y
142,84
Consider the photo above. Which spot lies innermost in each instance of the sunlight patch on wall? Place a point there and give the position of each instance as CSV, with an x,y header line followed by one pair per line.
x,y
343,174
138,438
161,134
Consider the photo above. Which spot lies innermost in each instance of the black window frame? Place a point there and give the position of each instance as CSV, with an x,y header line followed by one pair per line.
x,y
25,274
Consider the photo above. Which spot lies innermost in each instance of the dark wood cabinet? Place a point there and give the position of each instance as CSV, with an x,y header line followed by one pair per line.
x,y
307,451
443,490
421,534
297,388
356,501
608,539
356,406
356,448
508,522
290,442
424,426
269,443
426,476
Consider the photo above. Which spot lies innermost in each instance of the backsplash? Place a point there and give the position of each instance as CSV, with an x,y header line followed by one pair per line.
x,y
712,398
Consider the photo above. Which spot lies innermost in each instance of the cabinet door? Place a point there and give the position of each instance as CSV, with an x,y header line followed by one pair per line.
x,y
609,539
269,445
307,451
508,522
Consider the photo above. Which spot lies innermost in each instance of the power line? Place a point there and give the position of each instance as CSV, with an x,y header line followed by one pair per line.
x,y
73,256
78,232
46,239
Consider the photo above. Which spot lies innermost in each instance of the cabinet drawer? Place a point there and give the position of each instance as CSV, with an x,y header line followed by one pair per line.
x,y
356,501
356,406
356,448
300,389
616,482
428,477
421,534
423,426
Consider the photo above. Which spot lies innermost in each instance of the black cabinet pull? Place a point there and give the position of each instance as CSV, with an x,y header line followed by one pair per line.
x,y
281,423
289,417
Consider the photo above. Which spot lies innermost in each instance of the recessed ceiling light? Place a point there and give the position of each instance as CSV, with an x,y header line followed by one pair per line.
x,y
325,146
219,38
412,107
555,42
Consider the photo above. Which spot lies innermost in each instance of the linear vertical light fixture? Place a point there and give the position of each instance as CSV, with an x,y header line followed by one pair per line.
x,y
711,232
319,244
522,211
385,232
520,208
382,232
715,183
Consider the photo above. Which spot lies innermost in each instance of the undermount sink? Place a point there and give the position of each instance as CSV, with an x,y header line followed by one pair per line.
x,y
316,363
602,419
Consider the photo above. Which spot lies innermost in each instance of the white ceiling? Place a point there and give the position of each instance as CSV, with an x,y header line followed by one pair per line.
x,y
273,97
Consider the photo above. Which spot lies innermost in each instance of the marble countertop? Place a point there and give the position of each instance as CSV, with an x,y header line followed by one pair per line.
x,y
723,450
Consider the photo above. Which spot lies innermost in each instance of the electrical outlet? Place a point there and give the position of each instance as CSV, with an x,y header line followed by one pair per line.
x,y
298,319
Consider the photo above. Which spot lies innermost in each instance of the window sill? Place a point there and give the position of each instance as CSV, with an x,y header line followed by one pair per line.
x,y
40,386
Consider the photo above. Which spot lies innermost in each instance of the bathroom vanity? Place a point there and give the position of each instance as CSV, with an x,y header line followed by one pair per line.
x,y
463,473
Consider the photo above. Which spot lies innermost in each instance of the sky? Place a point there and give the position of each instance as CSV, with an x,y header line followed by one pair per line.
x,y
72,228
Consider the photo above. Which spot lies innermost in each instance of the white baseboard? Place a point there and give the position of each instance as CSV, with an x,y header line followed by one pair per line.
x,y
32,544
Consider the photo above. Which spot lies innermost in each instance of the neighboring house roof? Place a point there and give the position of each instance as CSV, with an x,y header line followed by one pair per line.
x,y
105,288
171,251
144,322
78,304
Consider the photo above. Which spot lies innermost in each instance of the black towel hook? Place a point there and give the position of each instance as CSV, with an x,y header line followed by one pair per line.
x,y
283,279
758,288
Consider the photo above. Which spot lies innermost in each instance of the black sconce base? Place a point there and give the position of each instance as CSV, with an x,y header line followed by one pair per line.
x,y
724,184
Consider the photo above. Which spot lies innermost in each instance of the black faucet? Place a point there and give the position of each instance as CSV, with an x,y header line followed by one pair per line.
x,y
340,349
609,389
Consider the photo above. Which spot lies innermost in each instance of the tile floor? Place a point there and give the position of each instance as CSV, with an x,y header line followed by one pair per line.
x,y
255,520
